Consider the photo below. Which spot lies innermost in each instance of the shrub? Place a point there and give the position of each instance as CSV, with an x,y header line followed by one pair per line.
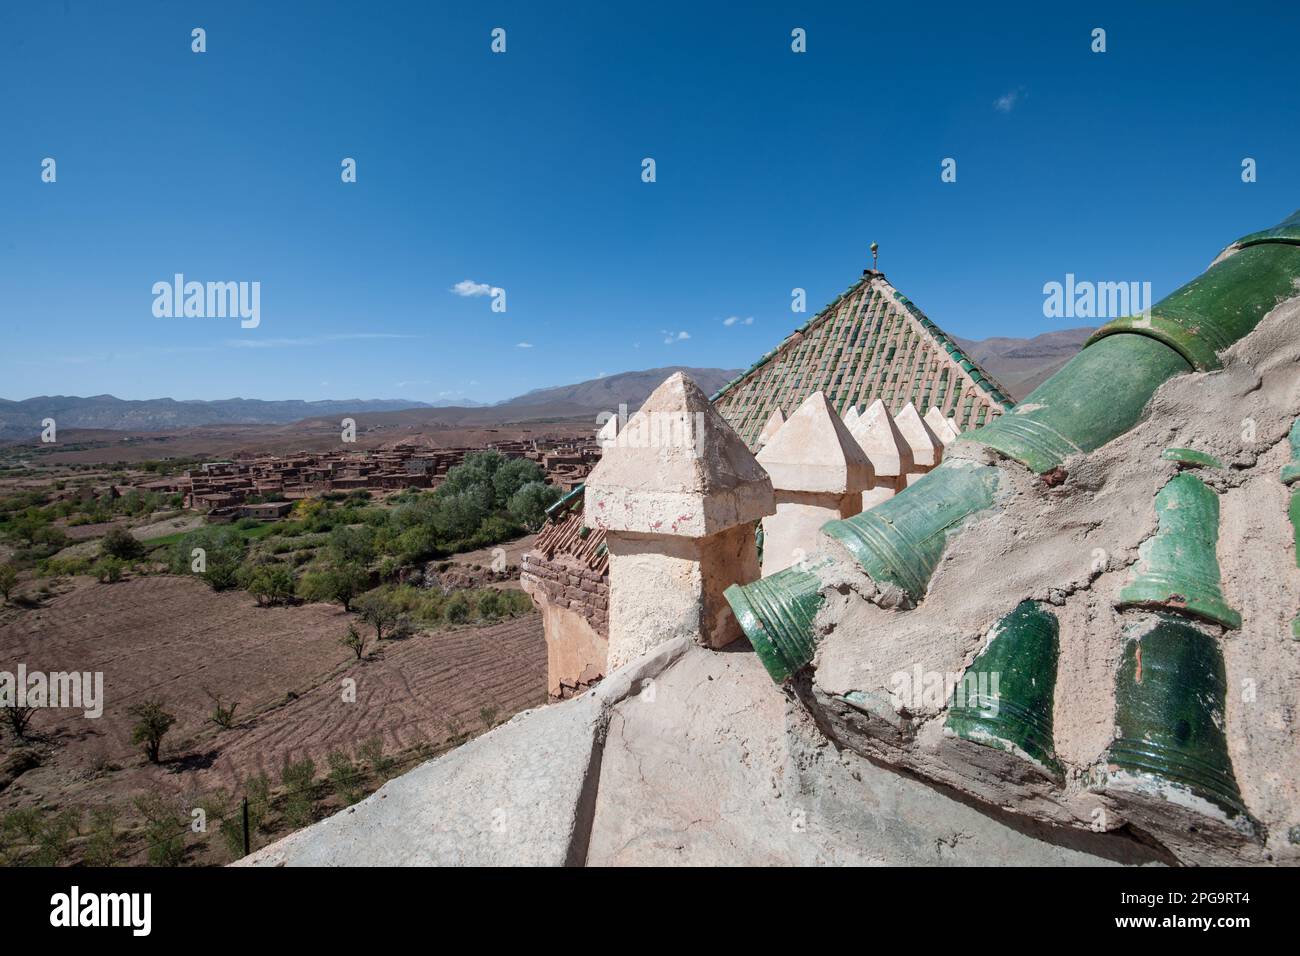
x,y
457,610
269,583
164,830
31,838
18,718
354,641
223,715
109,570
490,605
152,724
58,567
104,844
372,752
8,580
345,777
219,564
299,782
258,792
120,543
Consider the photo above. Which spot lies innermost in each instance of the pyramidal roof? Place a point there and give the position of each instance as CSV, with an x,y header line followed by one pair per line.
x,y
870,343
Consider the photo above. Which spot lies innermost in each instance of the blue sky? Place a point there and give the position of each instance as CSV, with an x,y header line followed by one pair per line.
x,y
522,171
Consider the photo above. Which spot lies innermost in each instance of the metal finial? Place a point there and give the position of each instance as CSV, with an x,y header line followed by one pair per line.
x,y
875,248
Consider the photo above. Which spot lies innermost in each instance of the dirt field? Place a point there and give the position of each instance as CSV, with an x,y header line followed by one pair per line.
x,y
173,637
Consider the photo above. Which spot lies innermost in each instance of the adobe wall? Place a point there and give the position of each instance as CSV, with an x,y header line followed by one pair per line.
x,y
574,601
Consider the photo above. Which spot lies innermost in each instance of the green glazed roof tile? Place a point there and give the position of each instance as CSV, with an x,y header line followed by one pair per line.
x,y
1169,711
1006,697
1291,470
1178,567
1191,458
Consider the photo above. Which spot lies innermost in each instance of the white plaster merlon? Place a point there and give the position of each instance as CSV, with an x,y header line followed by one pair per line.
x,y
886,448
939,425
927,449
851,416
773,425
818,473
677,494
815,453
889,453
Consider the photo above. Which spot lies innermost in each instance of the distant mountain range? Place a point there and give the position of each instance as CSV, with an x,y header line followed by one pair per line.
x,y
1019,364
583,400
23,419
630,388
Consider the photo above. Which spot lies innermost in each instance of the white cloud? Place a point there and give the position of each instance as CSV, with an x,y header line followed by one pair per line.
x,y
471,289
671,337
523,345
1007,101
737,320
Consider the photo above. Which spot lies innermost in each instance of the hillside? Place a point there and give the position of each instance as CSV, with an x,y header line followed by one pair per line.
x,y
1021,365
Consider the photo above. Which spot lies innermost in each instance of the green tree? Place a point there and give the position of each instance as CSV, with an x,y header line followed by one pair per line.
x,y
214,552
513,475
354,641
271,583
529,503
380,611
121,544
354,546
152,724
342,583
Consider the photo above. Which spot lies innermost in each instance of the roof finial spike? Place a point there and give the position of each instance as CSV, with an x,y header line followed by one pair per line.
x,y
875,249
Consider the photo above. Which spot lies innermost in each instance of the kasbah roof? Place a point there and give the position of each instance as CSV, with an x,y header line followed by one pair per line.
x,y
870,343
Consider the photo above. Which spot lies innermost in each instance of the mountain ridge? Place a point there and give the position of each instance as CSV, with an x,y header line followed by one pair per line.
x,y
1020,364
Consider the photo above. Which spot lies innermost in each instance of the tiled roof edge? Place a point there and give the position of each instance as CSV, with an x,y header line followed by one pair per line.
x,y
980,376
825,313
